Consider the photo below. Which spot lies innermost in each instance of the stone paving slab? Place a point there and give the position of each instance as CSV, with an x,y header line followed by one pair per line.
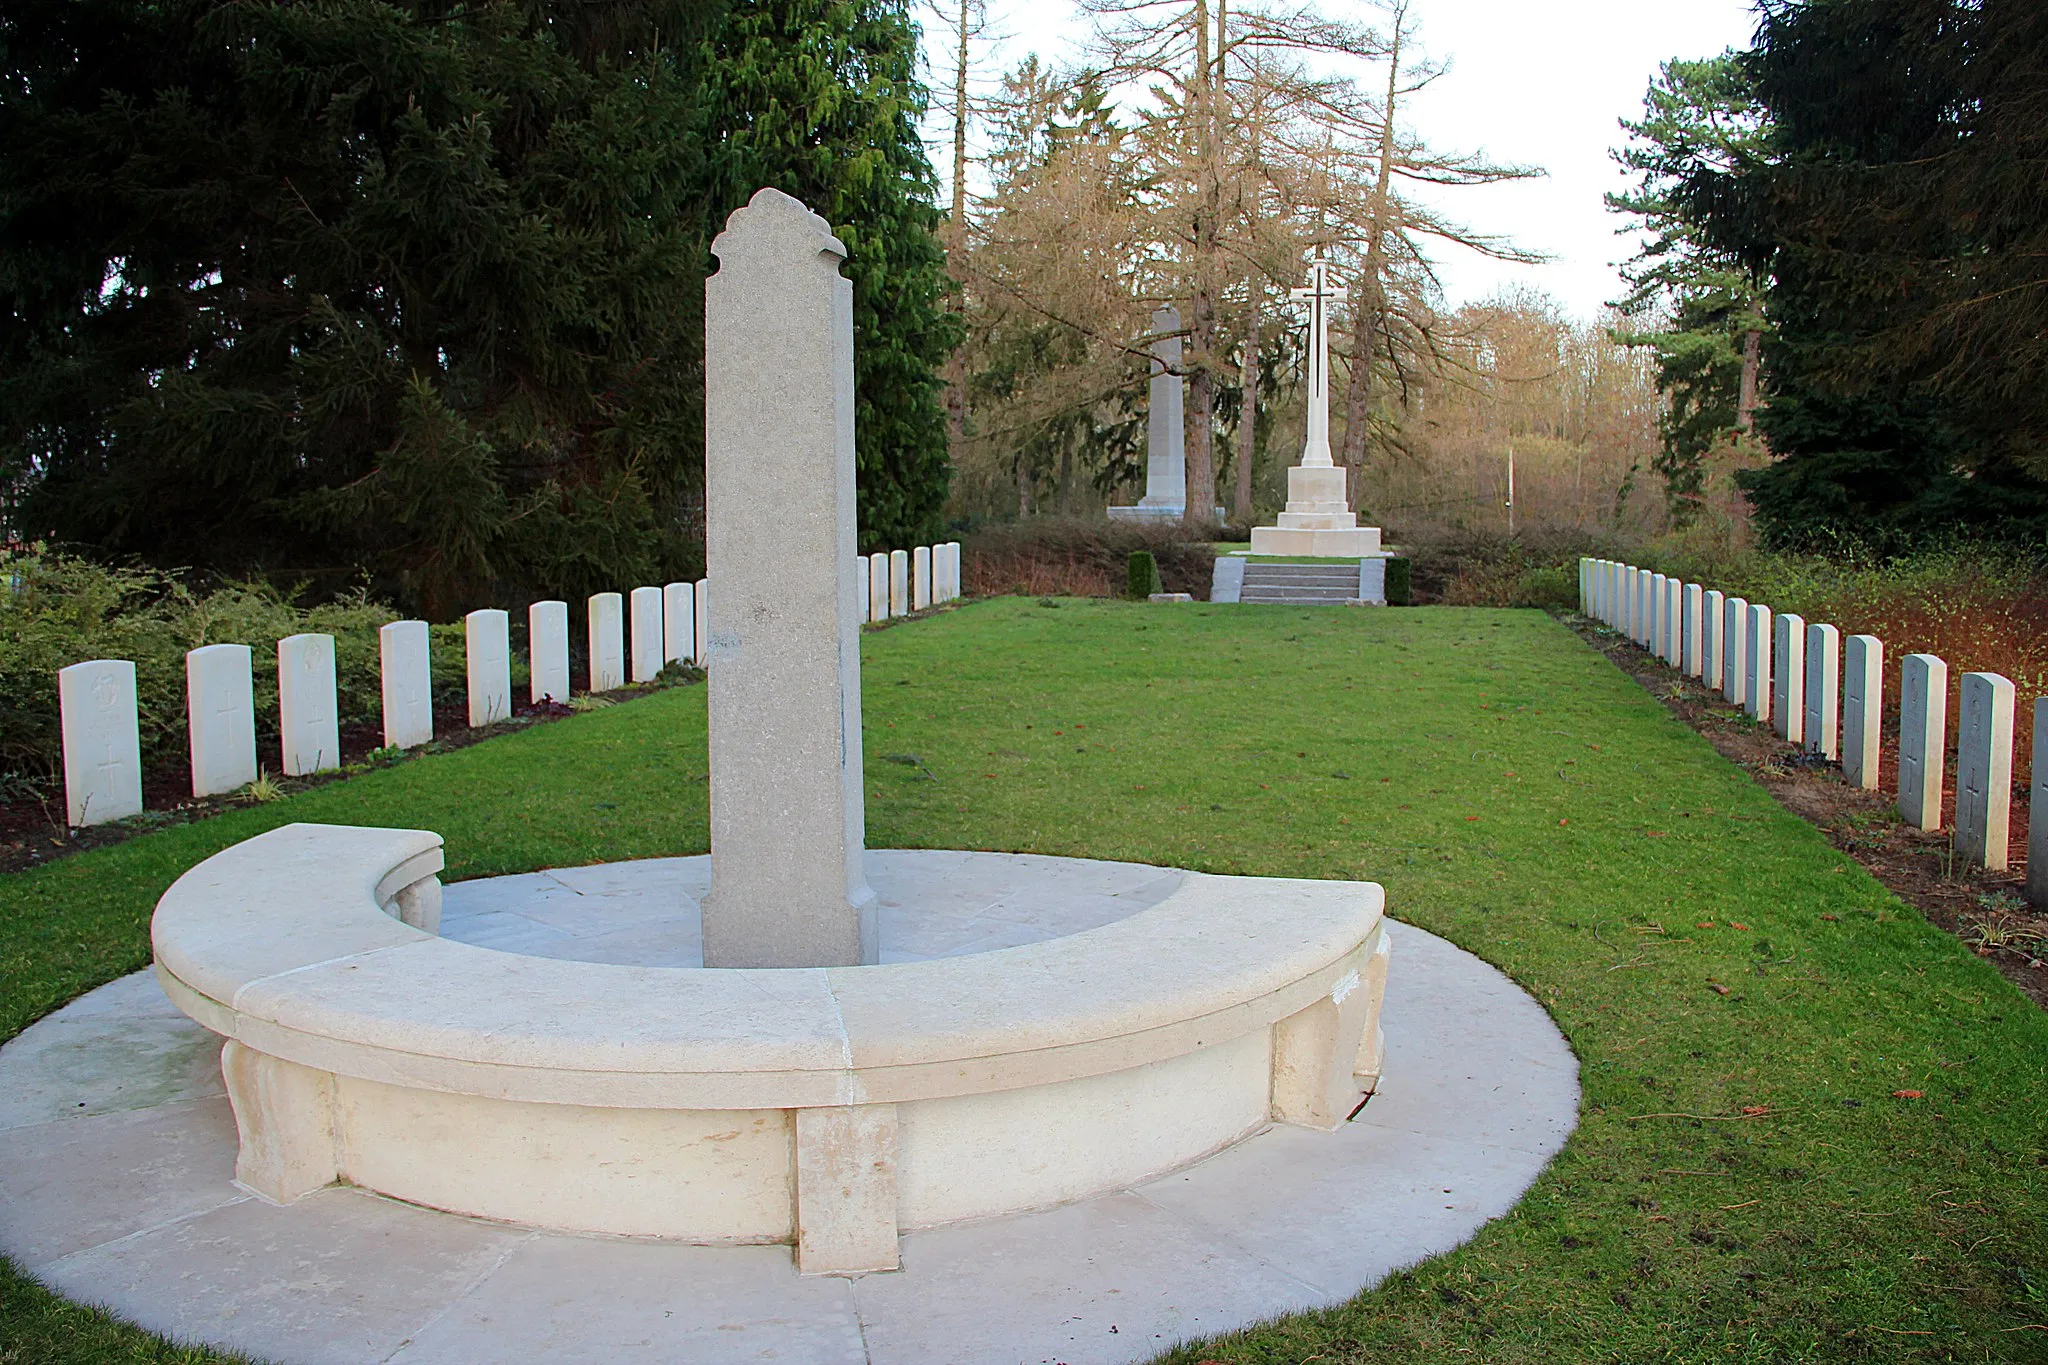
x,y
117,1157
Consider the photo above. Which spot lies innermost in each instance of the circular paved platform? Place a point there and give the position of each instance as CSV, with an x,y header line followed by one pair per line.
x,y
117,1155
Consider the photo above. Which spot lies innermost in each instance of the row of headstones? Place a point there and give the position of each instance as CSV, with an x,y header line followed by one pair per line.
x,y
1827,694
102,734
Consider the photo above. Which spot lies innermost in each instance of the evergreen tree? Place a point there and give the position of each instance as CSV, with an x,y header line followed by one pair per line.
x,y
1701,309
820,99
1902,218
414,290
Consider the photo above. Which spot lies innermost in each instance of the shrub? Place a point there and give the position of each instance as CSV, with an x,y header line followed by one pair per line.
x,y
1083,557
1400,588
64,610
1144,574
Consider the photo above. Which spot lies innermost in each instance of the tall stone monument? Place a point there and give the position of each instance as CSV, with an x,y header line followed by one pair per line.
x,y
1166,460
1318,521
787,824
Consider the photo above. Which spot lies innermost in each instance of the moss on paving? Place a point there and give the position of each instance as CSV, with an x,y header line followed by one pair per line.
x,y
1744,1185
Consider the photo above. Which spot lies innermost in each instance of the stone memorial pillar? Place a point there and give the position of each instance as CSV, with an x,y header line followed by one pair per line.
x,y
1984,772
1862,710
607,641
678,623
702,592
406,674
102,742
1923,738
1788,678
547,647
220,717
487,635
646,621
787,821
1823,687
308,714
1166,462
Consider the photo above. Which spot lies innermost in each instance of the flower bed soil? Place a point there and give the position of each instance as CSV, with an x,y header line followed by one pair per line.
x,y
1986,910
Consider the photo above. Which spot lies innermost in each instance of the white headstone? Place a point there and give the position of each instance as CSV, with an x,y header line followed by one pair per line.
x,y
1788,677
1655,641
1585,586
607,612
1984,772
487,636
1823,690
878,587
920,578
220,710
1923,738
1862,710
2037,809
1712,655
646,618
308,715
1693,637
787,819
860,586
678,622
703,587
1735,650
899,583
404,650
1756,681
547,640
102,742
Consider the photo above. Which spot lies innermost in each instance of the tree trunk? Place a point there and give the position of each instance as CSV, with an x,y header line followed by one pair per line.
x,y
1201,363
1248,416
1752,363
956,252
1369,305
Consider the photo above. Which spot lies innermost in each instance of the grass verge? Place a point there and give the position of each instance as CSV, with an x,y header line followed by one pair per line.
x,y
1749,1182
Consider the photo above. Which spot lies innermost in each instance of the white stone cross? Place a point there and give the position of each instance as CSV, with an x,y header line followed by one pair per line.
x,y
1319,295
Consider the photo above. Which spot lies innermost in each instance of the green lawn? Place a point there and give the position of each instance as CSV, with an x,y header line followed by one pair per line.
x,y
1516,794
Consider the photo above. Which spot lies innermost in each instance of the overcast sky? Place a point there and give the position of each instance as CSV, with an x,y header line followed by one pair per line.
x,y
1537,83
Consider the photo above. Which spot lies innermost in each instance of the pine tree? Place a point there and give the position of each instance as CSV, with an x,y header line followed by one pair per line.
x,y
820,99
1698,308
414,291
1903,220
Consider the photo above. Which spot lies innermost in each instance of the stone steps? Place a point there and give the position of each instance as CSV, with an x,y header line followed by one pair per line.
x,y
1300,583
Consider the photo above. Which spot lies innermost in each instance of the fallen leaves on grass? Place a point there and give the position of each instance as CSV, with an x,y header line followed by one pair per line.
x,y
1908,1095
1717,988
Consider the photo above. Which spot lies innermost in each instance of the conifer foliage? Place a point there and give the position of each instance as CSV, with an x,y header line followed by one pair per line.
x,y
821,100
1901,215
413,290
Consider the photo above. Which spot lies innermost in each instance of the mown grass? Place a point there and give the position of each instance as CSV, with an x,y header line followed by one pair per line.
x,y
1744,1185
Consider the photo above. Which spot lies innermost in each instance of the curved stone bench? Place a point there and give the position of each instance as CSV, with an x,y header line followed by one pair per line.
x,y
829,1106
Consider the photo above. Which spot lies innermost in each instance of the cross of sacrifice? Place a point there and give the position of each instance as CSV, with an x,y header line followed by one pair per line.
x,y
1319,295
